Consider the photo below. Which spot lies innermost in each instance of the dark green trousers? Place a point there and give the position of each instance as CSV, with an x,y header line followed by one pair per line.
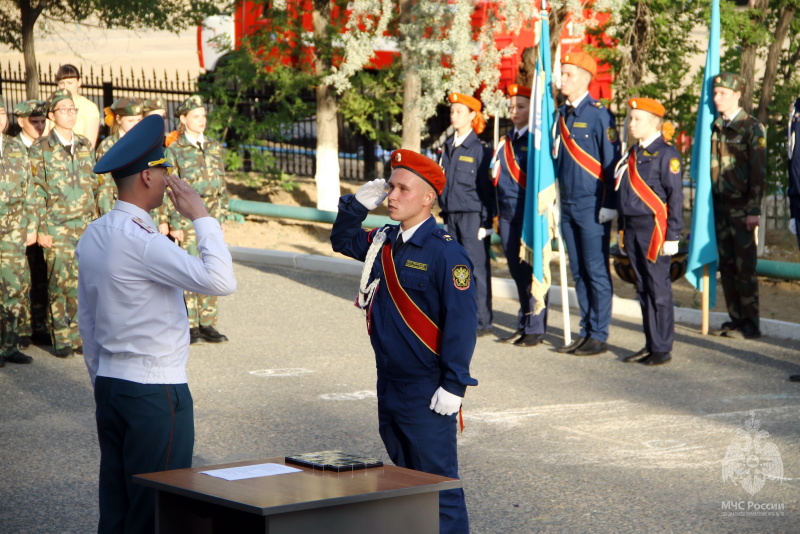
x,y
142,428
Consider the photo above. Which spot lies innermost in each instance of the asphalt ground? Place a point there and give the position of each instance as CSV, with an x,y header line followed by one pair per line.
x,y
553,443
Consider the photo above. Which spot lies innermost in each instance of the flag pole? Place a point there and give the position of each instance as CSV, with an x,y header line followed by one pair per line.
x,y
562,272
705,293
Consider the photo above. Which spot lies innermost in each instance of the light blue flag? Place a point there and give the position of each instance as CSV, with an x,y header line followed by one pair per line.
x,y
703,239
540,192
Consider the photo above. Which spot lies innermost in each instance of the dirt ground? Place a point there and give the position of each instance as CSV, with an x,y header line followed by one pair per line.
x,y
778,298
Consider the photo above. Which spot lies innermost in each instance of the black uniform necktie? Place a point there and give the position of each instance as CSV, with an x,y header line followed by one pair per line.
x,y
398,242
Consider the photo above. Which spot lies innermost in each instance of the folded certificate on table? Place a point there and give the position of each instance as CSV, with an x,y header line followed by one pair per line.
x,y
251,471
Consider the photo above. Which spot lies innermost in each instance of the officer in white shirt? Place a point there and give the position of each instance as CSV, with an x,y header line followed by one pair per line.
x,y
134,326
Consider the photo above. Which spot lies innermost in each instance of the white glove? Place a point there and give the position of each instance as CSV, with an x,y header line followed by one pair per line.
x,y
445,403
793,226
669,248
606,215
371,194
483,233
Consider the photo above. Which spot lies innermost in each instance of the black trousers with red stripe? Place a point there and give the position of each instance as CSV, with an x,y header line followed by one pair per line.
x,y
142,428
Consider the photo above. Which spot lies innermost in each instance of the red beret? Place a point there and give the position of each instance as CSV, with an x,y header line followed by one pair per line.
x,y
649,105
519,90
422,166
472,103
582,60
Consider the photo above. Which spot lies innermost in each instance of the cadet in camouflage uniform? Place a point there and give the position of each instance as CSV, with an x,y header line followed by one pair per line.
x,y
33,318
198,160
738,167
17,228
120,116
66,190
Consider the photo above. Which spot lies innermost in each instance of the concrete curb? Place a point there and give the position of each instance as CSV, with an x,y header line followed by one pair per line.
x,y
501,287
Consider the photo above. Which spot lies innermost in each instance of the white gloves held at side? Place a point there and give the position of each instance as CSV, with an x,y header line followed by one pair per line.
x,y
445,403
669,248
606,215
371,194
793,226
483,233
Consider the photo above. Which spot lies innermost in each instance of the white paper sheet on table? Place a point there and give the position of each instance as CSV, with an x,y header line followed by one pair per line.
x,y
251,471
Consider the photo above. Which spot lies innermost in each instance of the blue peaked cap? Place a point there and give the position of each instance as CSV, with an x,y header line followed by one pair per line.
x,y
139,149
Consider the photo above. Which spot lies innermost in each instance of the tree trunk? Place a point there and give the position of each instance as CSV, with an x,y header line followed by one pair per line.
x,y
327,159
771,69
412,90
28,16
749,53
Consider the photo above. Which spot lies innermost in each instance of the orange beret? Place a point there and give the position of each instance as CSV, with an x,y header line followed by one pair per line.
x,y
422,166
472,103
649,105
582,60
519,90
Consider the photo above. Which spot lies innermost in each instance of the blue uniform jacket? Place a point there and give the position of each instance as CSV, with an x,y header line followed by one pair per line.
x,y
794,161
469,187
425,265
594,129
659,165
510,195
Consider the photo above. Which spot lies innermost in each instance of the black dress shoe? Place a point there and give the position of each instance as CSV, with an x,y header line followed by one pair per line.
x,y
194,336
512,338
592,347
792,378
572,347
23,342
747,331
18,357
65,352
210,334
656,358
484,331
529,340
730,325
641,355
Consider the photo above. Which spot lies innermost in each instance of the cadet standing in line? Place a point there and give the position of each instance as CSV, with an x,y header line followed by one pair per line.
x,y
66,190
17,230
738,167
33,318
133,323
467,202
650,201
587,150
422,323
198,160
509,168
87,122
120,117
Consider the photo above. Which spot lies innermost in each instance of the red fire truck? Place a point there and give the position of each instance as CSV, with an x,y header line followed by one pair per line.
x,y
248,18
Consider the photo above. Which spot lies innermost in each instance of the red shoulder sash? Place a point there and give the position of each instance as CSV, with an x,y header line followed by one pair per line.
x,y
651,200
517,174
581,157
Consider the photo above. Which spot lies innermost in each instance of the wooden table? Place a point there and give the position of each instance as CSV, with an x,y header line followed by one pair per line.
x,y
384,500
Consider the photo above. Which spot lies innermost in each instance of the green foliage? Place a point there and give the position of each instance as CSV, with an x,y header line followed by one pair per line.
x,y
373,101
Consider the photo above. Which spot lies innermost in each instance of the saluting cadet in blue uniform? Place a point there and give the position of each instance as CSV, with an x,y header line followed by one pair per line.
x,y
650,201
794,167
509,166
587,150
467,201
134,326
419,296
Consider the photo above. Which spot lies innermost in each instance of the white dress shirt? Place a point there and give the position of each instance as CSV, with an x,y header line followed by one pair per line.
x,y
131,279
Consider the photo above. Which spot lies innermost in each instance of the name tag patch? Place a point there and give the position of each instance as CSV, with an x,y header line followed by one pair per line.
x,y
417,265
468,159
580,125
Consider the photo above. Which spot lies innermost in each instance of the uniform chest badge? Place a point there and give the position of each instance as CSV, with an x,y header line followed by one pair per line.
x,y
468,159
461,277
579,125
674,165
417,265
147,227
612,135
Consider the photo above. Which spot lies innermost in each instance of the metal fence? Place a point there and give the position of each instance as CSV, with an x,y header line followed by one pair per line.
x,y
102,87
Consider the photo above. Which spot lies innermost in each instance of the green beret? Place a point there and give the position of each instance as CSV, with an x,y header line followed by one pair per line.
x,y
31,108
729,80
127,107
193,102
57,96
152,104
